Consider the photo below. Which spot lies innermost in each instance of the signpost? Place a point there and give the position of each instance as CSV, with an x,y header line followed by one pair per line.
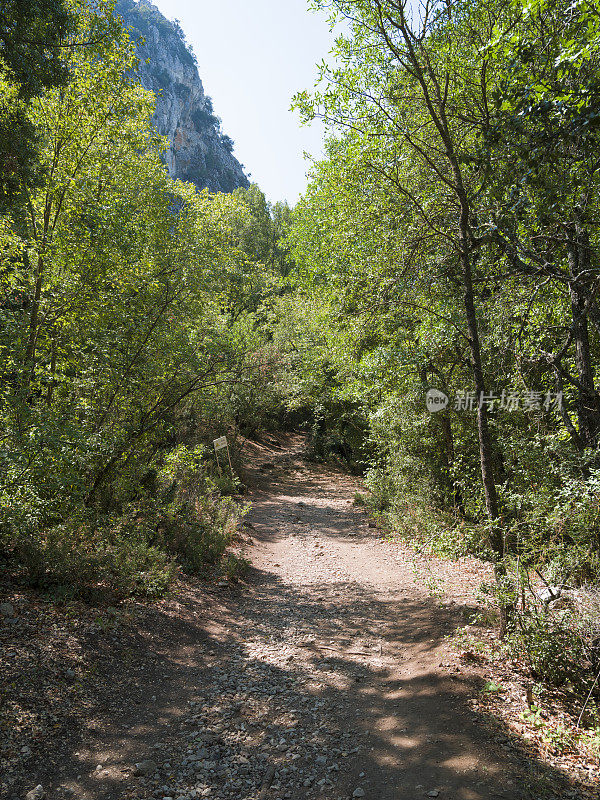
x,y
222,444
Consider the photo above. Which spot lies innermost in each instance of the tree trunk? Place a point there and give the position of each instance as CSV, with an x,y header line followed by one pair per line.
x,y
483,430
32,335
453,486
587,405
51,384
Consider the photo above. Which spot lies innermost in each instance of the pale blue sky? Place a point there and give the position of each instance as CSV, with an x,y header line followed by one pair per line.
x,y
252,57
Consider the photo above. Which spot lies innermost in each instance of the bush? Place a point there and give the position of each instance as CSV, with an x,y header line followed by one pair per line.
x,y
79,557
552,512
198,536
552,647
561,648
177,519
235,567
198,524
412,516
228,484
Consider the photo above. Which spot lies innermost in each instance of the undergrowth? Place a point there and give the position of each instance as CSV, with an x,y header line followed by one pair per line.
x,y
176,519
426,527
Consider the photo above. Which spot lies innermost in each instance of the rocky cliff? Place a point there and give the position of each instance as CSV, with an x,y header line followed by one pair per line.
x,y
199,151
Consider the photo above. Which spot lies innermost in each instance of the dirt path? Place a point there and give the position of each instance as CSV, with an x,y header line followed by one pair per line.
x,y
322,678
334,607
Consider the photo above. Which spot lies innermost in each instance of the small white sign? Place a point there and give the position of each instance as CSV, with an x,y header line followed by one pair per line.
x,y
220,443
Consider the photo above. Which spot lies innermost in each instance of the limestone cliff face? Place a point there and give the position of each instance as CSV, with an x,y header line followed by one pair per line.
x,y
199,151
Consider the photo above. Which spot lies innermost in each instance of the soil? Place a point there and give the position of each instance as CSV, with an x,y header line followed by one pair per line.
x,y
327,673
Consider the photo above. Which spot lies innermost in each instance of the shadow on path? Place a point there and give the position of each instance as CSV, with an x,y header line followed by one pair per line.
x,y
326,667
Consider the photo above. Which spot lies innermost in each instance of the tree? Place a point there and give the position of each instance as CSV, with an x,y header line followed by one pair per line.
x,y
404,86
112,318
540,149
32,38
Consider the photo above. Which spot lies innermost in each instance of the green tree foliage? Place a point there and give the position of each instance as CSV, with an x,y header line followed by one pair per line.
x,y
263,235
128,325
540,149
32,38
449,239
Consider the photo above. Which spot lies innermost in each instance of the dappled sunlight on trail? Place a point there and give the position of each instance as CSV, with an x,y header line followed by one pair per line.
x,y
322,677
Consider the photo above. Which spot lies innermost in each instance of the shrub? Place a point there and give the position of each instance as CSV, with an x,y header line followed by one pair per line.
x,y
235,567
551,646
553,513
198,523
413,517
177,519
198,536
561,648
228,484
81,557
